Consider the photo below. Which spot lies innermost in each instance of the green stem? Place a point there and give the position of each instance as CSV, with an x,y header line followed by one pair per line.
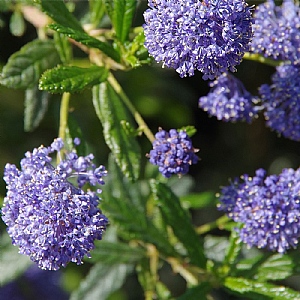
x,y
265,60
63,118
138,118
219,223
64,111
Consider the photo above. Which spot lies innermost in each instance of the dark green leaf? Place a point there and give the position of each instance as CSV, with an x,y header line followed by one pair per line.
x,y
197,292
87,40
25,66
175,216
74,131
123,12
200,200
101,281
17,24
259,290
123,202
36,105
71,79
12,264
109,253
111,112
58,11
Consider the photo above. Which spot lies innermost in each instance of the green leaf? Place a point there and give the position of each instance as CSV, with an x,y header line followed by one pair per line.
x,y
175,216
12,264
17,24
181,186
5,5
111,112
25,66
134,53
63,47
71,79
124,202
199,200
215,247
146,278
97,10
276,267
59,12
101,281
190,130
109,8
73,131
87,40
197,292
163,293
109,253
123,12
36,105
233,251
259,290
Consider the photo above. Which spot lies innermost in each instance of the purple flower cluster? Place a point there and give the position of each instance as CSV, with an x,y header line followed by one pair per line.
x,y
281,100
206,35
51,219
228,100
173,152
268,207
277,31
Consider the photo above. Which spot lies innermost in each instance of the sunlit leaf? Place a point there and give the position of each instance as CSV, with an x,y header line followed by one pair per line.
x,y
71,79
87,40
59,12
97,10
123,12
259,290
278,267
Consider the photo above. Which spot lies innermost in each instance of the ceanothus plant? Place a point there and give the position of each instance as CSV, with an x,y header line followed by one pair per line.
x,y
145,222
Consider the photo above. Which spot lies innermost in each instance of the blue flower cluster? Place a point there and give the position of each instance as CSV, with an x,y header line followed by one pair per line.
x,y
173,152
268,207
51,219
281,100
206,35
277,31
228,100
